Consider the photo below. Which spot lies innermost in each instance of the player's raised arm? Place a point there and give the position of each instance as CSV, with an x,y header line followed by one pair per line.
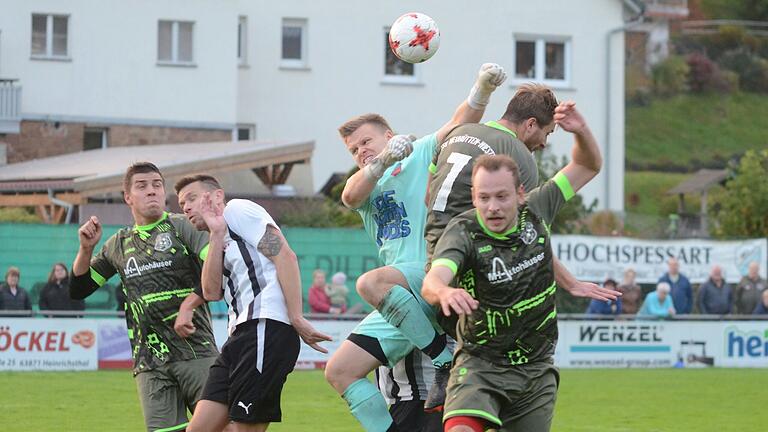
x,y
586,160
84,279
276,249
489,78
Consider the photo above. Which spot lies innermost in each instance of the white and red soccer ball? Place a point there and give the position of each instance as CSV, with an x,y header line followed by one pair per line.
x,y
414,37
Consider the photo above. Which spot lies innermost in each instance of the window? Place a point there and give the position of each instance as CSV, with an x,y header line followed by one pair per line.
x,y
245,132
94,139
542,59
396,70
294,47
49,36
174,42
242,39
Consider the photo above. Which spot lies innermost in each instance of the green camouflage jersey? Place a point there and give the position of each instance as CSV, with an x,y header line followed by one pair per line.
x,y
450,190
159,265
511,276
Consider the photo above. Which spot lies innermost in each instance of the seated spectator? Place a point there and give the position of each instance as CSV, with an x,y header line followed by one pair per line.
x,y
682,293
631,293
605,307
762,307
55,294
318,299
337,291
12,296
749,291
715,295
658,303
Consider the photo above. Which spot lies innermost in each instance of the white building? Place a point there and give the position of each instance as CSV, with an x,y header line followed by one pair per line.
x,y
108,73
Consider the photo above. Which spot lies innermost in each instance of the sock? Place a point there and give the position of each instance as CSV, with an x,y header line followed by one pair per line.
x,y
401,309
368,406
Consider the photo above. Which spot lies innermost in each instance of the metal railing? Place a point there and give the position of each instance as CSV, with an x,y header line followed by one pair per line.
x,y
10,100
356,317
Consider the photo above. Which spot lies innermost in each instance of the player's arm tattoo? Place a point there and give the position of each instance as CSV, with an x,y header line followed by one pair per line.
x,y
271,244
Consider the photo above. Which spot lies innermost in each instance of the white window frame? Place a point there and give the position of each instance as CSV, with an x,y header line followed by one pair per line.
x,y
303,62
174,61
251,131
414,80
104,135
540,60
242,40
49,55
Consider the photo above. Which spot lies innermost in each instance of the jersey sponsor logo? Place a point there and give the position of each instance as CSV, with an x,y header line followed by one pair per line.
x,y
485,249
529,233
390,218
163,242
244,406
132,267
500,273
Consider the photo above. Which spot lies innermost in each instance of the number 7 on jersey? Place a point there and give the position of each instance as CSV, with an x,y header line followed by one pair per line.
x,y
458,162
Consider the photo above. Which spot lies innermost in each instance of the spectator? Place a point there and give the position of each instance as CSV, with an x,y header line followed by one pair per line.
x,y
681,291
715,295
12,296
658,303
631,293
762,307
605,307
55,294
337,291
318,299
748,292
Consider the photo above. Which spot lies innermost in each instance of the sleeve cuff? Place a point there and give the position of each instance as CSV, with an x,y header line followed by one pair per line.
x,y
432,168
203,253
562,182
445,262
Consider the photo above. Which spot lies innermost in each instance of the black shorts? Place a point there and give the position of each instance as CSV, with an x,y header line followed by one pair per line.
x,y
410,416
249,374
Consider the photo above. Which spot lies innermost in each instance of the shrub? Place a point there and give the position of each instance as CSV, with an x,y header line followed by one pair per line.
x,y
670,76
751,69
704,75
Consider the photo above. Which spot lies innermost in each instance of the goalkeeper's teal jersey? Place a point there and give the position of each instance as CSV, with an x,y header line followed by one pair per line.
x,y
395,214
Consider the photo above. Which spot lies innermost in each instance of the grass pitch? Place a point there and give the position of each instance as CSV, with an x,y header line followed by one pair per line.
x,y
623,400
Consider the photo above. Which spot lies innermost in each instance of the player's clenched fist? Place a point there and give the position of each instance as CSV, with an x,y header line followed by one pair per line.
x,y
398,148
490,76
90,233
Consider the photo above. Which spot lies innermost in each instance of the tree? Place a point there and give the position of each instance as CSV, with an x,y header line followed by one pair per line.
x,y
742,211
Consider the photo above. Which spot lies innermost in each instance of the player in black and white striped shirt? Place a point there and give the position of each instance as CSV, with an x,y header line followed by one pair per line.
x,y
405,389
260,281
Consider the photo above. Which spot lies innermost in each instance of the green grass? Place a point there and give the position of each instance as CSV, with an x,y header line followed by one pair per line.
x,y
645,192
718,400
691,131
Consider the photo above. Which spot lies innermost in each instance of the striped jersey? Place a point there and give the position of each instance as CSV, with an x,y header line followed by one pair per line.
x,y
410,379
249,281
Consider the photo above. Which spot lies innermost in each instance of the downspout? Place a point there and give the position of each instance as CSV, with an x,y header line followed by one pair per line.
x,y
636,21
61,203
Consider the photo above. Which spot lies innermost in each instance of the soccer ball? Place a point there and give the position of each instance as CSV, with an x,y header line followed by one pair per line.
x,y
414,37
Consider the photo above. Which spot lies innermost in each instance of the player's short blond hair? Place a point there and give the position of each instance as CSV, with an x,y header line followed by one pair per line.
x,y
350,126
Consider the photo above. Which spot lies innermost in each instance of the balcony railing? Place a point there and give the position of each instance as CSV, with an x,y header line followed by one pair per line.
x,y
666,8
10,106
